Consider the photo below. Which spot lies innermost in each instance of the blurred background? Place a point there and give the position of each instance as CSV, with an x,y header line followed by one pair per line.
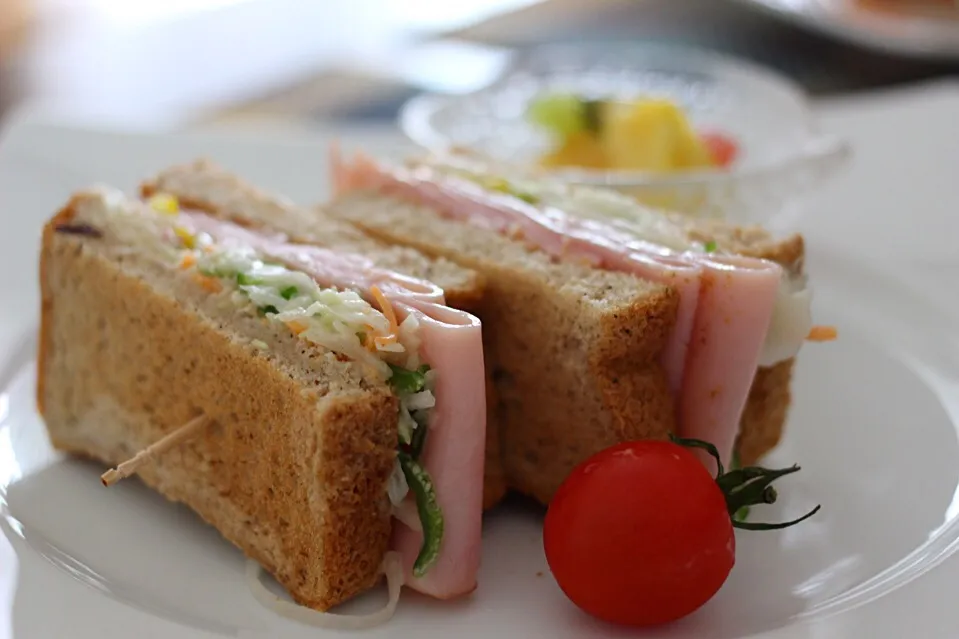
x,y
290,63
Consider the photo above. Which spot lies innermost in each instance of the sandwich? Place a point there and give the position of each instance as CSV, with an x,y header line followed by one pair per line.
x,y
323,408
203,185
604,321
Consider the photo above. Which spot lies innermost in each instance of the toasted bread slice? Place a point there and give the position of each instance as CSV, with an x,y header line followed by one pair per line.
x,y
574,349
294,467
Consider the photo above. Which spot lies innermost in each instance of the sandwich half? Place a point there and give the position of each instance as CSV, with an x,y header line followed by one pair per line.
x,y
205,186
344,402
723,313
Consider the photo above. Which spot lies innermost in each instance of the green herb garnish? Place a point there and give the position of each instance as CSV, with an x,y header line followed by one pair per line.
x,y
268,309
431,516
710,246
289,292
246,280
407,382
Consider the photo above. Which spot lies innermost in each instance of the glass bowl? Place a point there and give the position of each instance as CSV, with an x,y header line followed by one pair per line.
x,y
781,154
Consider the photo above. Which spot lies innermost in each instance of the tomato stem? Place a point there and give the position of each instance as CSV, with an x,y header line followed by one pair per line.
x,y
747,486
708,447
756,525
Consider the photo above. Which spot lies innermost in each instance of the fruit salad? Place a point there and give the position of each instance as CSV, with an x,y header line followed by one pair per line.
x,y
642,135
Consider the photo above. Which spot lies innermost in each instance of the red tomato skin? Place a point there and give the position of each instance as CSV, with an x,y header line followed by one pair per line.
x,y
723,149
639,534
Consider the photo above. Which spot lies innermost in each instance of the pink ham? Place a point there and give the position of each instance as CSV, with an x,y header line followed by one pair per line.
x,y
330,268
725,308
451,342
735,308
455,447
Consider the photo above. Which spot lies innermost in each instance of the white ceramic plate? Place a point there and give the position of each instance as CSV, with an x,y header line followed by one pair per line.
x,y
921,32
874,426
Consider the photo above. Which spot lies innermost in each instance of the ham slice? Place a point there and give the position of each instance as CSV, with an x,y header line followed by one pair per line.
x,y
455,447
726,303
736,299
328,267
451,343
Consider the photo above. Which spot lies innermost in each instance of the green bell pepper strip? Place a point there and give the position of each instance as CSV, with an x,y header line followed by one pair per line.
x,y
431,516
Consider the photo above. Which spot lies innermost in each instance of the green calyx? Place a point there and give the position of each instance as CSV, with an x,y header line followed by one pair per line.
x,y
745,487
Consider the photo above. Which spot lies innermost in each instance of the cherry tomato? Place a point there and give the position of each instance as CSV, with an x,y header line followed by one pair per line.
x,y
639,534
723,149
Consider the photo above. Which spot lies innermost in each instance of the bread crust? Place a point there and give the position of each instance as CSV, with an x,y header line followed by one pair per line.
x,y
766,411
63,216
293,476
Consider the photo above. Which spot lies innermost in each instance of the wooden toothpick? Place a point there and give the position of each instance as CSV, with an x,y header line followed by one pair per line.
x,y
165,443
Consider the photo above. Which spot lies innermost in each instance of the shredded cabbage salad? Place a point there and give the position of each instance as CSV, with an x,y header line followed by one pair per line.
x,y
340,321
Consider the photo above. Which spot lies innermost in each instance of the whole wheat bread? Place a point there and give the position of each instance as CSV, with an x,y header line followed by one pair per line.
x,y
293,468
562,336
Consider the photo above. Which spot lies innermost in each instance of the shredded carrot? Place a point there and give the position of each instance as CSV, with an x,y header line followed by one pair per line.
x,y
211,284
387,309
384,340
822,334
296,327
188,260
